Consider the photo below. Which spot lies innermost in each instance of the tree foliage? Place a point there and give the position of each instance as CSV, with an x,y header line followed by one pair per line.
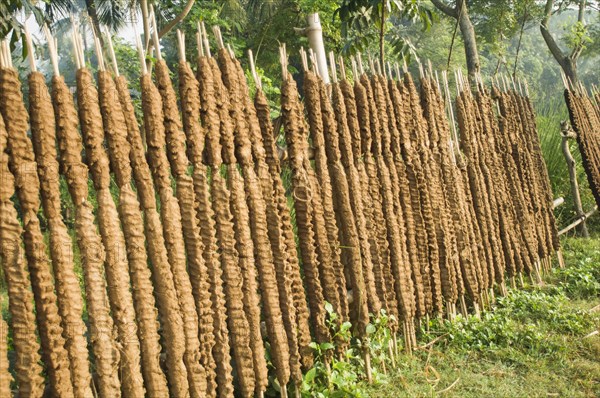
x,y
366,21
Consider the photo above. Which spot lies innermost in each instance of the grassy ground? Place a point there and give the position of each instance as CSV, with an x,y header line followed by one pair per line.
x,y
532,345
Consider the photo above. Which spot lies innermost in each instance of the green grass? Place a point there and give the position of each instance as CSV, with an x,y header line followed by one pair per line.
x,y
532,345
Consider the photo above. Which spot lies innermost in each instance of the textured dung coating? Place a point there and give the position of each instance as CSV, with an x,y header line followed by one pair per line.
x,y
524,208
356,195
164,286
329,256
498,184
494,185
399,184
417,250
380,150
478,194
304,193
291,291
449,271
116,262
359,274
251,374
454,194
517,206
235,80
22,165
523,230
102,333
178,160
546,197
582,123
359,261
442,272
115,129
250,244
70,303
539,197
20,297
173,232
5,376
357,108
421,206
449,263
195,135
222,226
350,143
378,176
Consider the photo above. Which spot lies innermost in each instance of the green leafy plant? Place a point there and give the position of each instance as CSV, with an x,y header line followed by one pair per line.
x,y
343,375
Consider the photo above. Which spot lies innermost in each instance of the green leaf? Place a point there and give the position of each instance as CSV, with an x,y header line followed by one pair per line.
x,y
327,346
370,329
328,308
310,375
345,326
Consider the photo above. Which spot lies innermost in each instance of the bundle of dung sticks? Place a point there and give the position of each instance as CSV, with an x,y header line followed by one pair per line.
x,y
198,261
584,111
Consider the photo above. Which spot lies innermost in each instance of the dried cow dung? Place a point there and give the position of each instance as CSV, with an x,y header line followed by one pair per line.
x,y
164,285
232,279
22,165
303,191
396,125
175,140
346,158
331,269
449,261
195,135
115,130
28,369
173,232
245,121
70,302
587,139
368,114
388,176
475,180
292,296
120,295
90,245
5,376
253,375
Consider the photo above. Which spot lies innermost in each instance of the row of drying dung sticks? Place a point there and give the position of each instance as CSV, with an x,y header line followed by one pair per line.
x,y
394,211
584,112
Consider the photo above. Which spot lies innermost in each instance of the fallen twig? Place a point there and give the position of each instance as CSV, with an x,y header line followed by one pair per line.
x,y
432,342
451,386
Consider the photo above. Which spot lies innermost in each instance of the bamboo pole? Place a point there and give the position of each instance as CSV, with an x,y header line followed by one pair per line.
x,y
578,221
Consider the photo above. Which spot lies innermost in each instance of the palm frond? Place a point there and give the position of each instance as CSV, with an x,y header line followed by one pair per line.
x,y
113,13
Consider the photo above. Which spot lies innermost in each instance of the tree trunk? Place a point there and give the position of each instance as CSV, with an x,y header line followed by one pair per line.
x,y
568,63
468,33
461,14
569,67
